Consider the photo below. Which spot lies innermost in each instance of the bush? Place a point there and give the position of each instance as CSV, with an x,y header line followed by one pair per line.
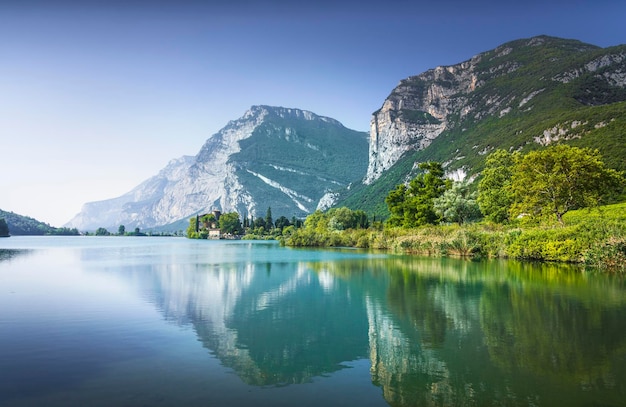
x,y
610,256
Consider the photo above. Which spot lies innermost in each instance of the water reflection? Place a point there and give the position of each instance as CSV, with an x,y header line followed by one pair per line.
x,y
437,331
9,254
272,323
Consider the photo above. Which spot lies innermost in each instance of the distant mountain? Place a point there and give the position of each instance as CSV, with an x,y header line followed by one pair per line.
x,y
288,159
24,225
523,95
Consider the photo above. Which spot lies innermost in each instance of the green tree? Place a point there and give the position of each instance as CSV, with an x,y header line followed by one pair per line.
x,y
345,218
281,223
121,230
230,223
560,178
208,221
413,206
495,196
4,228
191,229
457,204
102,232
269,222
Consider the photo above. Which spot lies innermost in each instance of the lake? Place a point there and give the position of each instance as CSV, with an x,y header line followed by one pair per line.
x,y
140,321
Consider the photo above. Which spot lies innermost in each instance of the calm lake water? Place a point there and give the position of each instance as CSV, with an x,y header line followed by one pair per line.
x,y
122,321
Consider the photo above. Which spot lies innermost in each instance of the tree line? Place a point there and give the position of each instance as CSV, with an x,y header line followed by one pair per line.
x,y
231,224
543,183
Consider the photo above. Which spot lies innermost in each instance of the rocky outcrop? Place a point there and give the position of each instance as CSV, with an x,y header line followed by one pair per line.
x,y
494,84
416,112
282,158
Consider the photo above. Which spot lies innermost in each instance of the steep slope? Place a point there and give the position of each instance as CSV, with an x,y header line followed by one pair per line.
x,y
286,159
523,95
25,225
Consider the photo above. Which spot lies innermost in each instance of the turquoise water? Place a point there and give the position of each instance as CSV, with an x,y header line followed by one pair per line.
x,y
123,321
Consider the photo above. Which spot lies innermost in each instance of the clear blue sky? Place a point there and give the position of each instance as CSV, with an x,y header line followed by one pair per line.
x,y
97,96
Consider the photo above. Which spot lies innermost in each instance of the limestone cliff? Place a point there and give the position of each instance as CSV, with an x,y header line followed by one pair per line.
x,y
286,159
520,96
503,82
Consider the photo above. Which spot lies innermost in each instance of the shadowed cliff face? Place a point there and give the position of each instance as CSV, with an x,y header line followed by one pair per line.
x,y
286,159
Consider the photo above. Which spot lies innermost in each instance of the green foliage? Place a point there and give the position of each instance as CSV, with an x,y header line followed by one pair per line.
x,y
414,206
322,153
559,179
337,227
494,189
102,232
458,204
24,225
230,223
121,230
281,223
268,218
192,232
584,112
4,228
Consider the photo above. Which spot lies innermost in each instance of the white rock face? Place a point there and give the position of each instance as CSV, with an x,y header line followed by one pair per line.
x,y
187,186
443,91
211,180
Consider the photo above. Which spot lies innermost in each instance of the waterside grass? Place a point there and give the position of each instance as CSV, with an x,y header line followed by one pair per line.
x,y
593,237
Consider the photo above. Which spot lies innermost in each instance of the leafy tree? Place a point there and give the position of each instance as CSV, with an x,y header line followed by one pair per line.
x,y
457,204
317,221
396,201
361,220
340,218
344,218
102,232
495,196
4,228
208,221
191,229
121,230
230,223
561,178
259,223
413,206
281,223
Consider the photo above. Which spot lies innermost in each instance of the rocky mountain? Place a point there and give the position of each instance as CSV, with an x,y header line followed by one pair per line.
x,y
288,159
523,95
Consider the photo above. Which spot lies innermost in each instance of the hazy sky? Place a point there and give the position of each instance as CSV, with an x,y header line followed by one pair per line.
x,y
97,96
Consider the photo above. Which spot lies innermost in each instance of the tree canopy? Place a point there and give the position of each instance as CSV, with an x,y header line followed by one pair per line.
x,y
551,181
4,228
495,196
230,223
458,204
413,206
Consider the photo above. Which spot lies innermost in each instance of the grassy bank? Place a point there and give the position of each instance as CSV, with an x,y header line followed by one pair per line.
x,y
595,237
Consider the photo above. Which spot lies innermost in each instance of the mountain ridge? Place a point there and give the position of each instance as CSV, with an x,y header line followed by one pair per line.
x,y
245,167
522,95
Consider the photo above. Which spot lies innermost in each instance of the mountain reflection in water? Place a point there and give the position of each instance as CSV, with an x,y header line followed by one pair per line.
x,y
437,331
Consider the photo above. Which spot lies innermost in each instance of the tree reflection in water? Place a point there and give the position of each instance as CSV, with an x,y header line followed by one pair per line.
x,y
438,332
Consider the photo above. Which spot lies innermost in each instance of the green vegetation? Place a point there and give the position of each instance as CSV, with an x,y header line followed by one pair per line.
x,y
4,228
519,106
230,225
537,199
561,178
414,206
322,153
24,225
